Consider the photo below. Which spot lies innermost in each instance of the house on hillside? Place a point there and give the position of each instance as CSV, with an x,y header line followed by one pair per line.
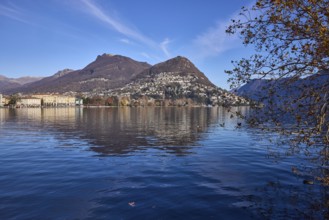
x,y
1,104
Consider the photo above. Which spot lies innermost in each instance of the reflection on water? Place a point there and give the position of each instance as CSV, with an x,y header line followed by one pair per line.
x,y
152,163
122,130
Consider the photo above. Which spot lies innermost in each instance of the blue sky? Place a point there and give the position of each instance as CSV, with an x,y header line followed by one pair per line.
x,y
40,37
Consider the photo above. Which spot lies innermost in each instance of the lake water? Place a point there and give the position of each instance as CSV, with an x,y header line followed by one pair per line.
x,y
152,163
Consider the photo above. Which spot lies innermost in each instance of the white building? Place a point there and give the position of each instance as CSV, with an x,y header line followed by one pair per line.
x,y
29,102
1,103
78,101
56,100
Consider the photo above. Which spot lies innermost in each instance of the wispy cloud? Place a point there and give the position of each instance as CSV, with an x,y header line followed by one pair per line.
x,y
127,30
164,47
116,24
125,41
215,40
14,14
146,55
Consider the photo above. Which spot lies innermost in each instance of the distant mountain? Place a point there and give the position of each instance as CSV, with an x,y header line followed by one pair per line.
x,y
8,85
176,79
27,79
106,72
286,91
14,83
40,84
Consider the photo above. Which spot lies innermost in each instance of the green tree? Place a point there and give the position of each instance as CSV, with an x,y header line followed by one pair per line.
x,y
13,99
291,41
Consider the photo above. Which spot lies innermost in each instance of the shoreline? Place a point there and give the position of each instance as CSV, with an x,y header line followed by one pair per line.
x,y
120,106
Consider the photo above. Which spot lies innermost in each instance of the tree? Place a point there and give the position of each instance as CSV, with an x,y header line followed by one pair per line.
x,y
291,41
13,99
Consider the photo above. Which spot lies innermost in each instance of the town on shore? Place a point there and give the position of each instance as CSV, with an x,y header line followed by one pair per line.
x,y
59,100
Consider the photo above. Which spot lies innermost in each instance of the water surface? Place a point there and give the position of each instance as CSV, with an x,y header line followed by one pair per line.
x,y
150,163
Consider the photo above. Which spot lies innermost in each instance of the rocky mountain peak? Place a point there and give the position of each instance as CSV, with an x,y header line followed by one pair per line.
x,y
63,72
112,61
104,55
181,59
182,63
179,66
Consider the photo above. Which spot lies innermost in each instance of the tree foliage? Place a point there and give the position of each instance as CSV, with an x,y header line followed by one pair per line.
x,y
291,41
13,99
292,38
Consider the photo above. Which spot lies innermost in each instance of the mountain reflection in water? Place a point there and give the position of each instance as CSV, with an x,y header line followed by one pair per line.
x,y
115,131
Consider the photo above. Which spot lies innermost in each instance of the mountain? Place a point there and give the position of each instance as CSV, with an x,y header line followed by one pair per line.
x,y
177,80
178,66
106,72
284,90
289,99
14,83
7,85
42,84
61,73
27,79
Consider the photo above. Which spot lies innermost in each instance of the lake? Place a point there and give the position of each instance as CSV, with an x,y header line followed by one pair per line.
x,y
153,163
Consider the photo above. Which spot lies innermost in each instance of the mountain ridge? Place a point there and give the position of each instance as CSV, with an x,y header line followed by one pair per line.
x,y
7,83
284,90
105,72
117,76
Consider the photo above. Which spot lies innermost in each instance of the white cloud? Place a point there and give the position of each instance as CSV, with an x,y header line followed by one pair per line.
x,y
14,14
116,24
164,47
121,27
146,55
125,41
215,40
